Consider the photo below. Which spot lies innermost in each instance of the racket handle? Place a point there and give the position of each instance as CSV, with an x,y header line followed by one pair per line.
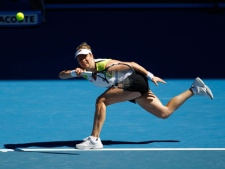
x,y
73,73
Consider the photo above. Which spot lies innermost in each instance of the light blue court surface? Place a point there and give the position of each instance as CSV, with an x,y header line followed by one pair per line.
x,y
59,113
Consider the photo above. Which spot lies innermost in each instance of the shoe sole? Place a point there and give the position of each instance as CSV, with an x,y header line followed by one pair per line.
x,y
88,148
208,91
84,148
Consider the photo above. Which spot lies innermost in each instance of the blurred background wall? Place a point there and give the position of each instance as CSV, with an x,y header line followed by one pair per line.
x,y
170,41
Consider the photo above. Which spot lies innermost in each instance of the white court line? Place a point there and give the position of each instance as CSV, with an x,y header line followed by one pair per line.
x,y
111,149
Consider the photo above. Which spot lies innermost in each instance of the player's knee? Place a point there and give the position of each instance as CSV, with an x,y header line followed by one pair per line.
x,y
101,100
164,115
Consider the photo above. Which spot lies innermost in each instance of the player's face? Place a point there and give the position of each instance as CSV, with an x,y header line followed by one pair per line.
x,y
85,61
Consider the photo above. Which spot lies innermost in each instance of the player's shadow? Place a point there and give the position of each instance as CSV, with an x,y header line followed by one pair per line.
x,y
73,143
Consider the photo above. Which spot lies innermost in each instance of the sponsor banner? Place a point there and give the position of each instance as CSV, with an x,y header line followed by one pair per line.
x,y
31,18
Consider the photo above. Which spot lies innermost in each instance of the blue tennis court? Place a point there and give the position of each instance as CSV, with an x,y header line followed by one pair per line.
x,y
57,114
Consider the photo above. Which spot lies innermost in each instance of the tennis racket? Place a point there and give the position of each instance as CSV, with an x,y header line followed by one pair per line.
x,y
119,75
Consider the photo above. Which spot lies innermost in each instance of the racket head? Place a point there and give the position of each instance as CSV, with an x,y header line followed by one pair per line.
x,y
119,75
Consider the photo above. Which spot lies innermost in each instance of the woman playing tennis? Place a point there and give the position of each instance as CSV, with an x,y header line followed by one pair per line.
x,y
130,85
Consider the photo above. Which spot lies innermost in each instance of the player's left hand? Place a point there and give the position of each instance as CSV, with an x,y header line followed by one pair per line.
x,y
156,79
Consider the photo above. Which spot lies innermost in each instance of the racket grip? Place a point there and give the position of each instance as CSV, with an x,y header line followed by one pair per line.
x,y
74,74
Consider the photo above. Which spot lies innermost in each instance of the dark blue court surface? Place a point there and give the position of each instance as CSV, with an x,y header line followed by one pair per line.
x,y
113,160
59,113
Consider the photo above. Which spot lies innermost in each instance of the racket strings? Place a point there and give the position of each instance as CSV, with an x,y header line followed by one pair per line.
x,y
119,75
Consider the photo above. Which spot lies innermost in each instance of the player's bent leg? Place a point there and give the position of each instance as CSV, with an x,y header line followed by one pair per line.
x,y
110,96
153,105
116,95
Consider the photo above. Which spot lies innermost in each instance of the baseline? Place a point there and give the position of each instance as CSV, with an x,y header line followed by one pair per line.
x,y
110,149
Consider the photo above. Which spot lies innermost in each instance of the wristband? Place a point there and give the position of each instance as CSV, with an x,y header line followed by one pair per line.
x,y
73,73
150,75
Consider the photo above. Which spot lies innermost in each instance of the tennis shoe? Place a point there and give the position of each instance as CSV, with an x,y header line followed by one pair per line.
x,y
199,88
90,143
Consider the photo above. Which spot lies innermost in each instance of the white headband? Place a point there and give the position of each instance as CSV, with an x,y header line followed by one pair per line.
x,y
82,51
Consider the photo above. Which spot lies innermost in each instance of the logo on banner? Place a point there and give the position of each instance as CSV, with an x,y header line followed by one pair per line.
x,y
11,20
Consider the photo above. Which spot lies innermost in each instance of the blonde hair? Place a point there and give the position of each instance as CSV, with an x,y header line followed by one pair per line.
x,y
83,45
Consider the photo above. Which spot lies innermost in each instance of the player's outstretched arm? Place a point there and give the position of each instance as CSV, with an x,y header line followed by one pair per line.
x,y
65,74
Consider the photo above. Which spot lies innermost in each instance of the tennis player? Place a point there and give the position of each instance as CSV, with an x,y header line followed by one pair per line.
x,y
138,92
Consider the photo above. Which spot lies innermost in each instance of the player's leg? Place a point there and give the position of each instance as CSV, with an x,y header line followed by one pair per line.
x,y
152,104
110,96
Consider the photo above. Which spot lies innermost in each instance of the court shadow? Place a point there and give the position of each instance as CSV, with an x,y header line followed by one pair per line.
x,y
73,143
